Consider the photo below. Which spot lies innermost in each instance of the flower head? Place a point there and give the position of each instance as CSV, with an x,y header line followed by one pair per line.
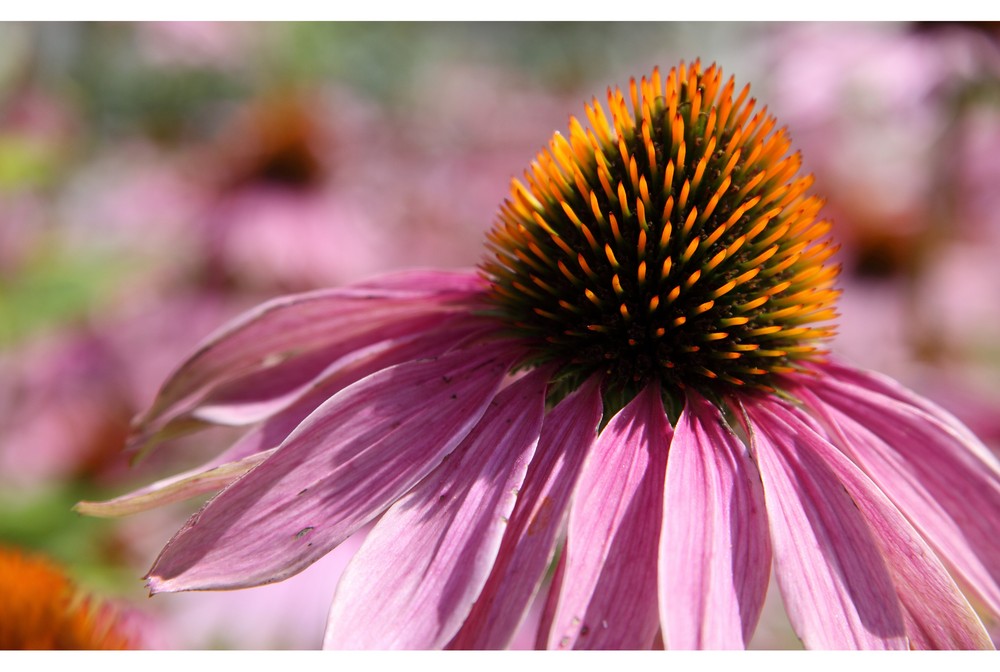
x,y
676,243
631,387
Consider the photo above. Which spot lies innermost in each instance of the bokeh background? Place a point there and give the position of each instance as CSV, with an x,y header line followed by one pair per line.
x,y
157,179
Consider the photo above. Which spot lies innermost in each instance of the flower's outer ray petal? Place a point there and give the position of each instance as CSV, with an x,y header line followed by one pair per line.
x,y
715,553
177,488
252,398
551,602
884,385
427,280
174,489
609,596
926,468
836,587
261,441
413,581
273,342
291,327
937,614
272,431
432,336
288,371
344,465
275,379
527,547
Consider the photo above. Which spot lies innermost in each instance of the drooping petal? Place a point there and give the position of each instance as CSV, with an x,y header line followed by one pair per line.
x,y
715,553
344,465
284,337
176,488
273,431
275,382
884,385
528,544
416,576
428,280
251,449
836,587
238,403
609,596
938,615
283,329
926,468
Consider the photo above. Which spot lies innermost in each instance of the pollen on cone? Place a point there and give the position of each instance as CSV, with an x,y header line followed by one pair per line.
x,y
736,237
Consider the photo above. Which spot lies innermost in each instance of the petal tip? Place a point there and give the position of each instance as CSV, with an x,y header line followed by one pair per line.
x,y
93,509
157,585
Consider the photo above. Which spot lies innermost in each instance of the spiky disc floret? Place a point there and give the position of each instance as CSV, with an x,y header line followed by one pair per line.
x,y
675,242
41,608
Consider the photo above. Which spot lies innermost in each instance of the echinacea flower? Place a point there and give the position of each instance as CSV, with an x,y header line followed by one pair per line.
x,y
41,608
631,385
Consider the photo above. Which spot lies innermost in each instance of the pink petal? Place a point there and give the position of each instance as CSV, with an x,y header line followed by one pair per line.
x,y
348,461
551,603
882,384
252,449
415,578
938,616
715,554
245,398
928,470
430,281
345,372
245,402
274,383
324,324
836,587
609,595
527,548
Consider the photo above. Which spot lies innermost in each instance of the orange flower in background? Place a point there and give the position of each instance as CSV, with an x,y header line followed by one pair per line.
x,y
41,608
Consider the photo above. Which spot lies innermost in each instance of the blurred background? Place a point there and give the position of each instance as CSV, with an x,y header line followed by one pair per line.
x,y
157,179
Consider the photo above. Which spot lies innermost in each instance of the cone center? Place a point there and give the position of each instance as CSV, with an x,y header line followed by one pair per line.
x,y
675,241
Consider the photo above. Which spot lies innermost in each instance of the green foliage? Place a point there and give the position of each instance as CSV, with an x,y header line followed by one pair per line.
x,y
56,286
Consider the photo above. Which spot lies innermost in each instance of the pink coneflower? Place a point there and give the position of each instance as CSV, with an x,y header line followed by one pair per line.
x,y
630,385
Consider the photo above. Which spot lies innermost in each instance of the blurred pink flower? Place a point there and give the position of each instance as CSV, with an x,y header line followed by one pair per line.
x,y
270,237
136,199
38,134
282,209
898,125
37,116
20,230
69,398
977,199
213,44
872,106
483,417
